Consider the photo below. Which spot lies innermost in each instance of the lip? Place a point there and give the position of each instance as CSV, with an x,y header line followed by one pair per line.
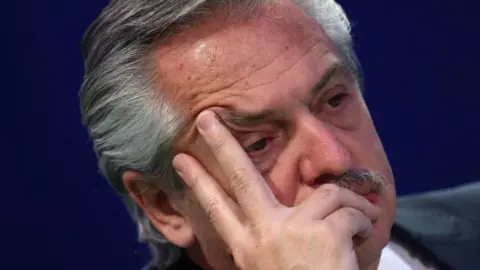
x,y
372,197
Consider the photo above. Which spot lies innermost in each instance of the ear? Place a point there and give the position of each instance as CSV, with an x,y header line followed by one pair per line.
x,y
161,210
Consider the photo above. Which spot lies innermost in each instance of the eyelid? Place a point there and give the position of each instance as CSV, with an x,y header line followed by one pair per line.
x,y
249,141
267,142
246,130
338,89
257,156
328,94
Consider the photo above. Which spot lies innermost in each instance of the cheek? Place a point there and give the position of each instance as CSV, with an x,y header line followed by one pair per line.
x,y
366,147
363,141
283,179
373,149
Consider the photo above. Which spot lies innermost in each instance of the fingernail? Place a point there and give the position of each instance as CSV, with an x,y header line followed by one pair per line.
x,y
205,121
179,163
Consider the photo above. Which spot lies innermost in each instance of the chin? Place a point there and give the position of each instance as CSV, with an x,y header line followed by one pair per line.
x,y
369,250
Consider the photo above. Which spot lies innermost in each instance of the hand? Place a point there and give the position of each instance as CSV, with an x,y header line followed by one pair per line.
x,y
316,234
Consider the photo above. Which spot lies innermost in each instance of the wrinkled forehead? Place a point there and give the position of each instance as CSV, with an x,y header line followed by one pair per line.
x,y
232,48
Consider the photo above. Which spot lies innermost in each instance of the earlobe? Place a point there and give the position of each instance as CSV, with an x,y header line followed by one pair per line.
x,y
179,233
159,209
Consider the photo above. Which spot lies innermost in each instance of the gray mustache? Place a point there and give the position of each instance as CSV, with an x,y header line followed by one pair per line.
x,y
358,177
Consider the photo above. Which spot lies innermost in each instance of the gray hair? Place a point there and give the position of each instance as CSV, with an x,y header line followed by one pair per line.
x,y
130,122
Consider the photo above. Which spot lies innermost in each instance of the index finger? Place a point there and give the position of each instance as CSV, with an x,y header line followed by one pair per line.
x,y
249,187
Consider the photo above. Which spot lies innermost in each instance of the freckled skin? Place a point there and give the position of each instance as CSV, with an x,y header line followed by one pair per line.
x,y
272,61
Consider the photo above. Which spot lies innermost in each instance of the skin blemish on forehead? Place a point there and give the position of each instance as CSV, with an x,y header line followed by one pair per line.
x,y
200,52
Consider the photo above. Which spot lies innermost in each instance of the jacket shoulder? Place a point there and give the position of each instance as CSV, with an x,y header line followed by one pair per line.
x,y
446,222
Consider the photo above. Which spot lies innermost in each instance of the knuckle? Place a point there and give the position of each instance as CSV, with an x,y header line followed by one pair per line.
x,y
348,214
211,208
332,188
348,218
238,180
333,193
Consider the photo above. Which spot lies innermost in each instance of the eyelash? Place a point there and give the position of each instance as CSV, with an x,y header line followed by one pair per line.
x,y
340,96
268,142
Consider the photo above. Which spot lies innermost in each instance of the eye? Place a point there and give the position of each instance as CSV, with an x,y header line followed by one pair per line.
x,y
257,146
336,100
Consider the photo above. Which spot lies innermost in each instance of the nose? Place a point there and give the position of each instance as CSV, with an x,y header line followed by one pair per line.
x,y
322,152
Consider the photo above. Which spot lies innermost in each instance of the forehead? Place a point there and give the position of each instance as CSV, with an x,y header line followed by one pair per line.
x,y
229,49
220,60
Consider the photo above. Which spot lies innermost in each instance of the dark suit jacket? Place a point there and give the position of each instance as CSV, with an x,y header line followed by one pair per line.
x,y
441,226
444,226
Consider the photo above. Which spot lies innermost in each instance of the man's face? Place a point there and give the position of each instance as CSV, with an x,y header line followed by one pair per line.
x,y
278,83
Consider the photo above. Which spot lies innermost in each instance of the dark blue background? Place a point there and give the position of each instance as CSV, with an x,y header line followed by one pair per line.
x,y
421,61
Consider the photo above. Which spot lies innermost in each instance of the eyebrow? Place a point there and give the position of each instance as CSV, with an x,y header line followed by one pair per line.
x,y
326,77
272,116
250,119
